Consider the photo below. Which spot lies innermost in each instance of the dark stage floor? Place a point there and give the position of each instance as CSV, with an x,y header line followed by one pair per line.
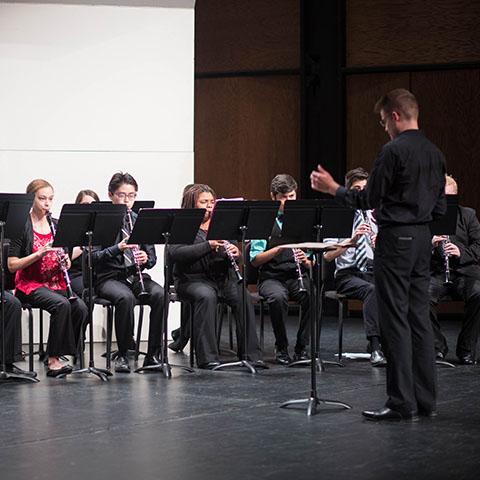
x,y
218,425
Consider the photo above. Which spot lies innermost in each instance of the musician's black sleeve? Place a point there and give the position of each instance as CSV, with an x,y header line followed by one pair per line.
x,y
189,253
470,250
152,256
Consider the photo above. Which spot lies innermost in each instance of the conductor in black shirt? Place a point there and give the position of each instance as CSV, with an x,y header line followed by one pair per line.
x,y
406,188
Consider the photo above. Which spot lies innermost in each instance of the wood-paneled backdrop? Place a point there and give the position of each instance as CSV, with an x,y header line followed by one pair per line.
x,y
247,127
247,101
418,35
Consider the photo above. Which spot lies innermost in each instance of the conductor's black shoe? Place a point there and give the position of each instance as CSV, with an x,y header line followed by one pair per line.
x,y
282,357
12,368
388,414
377,359
301,356
121,364
209,365
466,359
177,345
65,370
151,361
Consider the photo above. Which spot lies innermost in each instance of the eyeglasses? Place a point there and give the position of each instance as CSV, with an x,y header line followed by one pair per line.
x,y
123,195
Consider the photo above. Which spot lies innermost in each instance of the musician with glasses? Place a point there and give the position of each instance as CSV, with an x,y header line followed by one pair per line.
x,y
354,267
463,250
278,279
203,274
40,282
117,278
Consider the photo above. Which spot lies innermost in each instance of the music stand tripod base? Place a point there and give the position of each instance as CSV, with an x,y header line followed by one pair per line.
x,y
313,402
241,363
165,368
320,364
13,377
101,373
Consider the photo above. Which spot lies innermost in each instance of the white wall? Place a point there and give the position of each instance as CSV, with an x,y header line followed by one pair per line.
x,y
90,89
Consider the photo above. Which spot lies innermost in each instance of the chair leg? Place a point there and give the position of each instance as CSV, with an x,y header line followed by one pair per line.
x,y
219,326
30,339
41,351
262,326
139,333
109,336
341,312
192,338
230,328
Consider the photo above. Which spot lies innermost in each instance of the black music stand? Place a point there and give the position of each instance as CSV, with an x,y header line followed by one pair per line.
x,y
446,225
14,210
139,204
164,226
86,225
310,221
240,221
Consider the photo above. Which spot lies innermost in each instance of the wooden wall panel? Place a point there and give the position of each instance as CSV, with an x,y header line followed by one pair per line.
x,y
246,131
386,32
449,116
236,35
364,135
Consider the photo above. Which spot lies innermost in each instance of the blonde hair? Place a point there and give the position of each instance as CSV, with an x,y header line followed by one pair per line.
x,y
450,182
35,185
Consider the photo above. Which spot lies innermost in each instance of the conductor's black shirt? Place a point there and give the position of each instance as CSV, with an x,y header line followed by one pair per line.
x,y
406,186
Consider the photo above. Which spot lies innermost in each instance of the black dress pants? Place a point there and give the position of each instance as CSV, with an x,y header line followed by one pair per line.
x,y
277,293
122,294
66,319
360,286
13,318
204,295
468,290
402,277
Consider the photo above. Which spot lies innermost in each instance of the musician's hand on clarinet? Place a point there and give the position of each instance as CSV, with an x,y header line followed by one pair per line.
x,y
231,249
215,244
362,229
41,252
65,259
300,255
141,257
436,239
451,250
373,238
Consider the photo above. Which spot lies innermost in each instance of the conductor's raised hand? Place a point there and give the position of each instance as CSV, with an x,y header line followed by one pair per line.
x,y
322,181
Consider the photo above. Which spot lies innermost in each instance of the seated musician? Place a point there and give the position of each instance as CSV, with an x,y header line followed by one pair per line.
x,y
354,267
76,277
463,250
117,278
40,282
202,273
279,279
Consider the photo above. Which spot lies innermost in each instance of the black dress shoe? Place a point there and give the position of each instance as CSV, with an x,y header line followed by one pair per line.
x,y
175,334
282,357
65,370
177,345
121,364
466,359
377,359
12,368
428,413
301,356
388,414
208,365
151,361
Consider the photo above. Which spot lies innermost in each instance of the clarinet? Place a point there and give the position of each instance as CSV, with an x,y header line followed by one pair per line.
x,y
233,262
446,262
370,236
299,273
143,293
60,252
